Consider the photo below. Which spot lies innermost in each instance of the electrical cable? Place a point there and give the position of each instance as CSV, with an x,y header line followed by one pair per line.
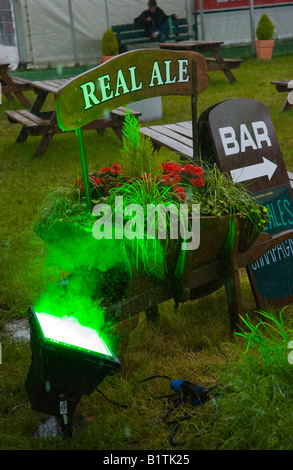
x,y
122,405
186,393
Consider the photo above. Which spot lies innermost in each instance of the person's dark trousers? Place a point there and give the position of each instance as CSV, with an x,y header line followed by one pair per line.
x,y
164,31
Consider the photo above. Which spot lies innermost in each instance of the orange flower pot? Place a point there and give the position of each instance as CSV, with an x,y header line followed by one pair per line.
x,y
264,48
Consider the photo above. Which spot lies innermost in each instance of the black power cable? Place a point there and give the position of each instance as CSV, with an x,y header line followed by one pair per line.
x,y
186,392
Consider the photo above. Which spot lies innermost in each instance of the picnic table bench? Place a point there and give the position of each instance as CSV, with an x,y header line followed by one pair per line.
x,y
36,122
133,34
285,86
13,87
214,63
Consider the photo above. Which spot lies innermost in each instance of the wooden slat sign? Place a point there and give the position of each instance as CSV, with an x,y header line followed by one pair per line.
x,y
272,273
128,77
246,147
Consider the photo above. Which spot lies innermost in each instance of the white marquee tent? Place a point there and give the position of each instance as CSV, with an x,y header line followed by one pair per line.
x,y
49,32
44,33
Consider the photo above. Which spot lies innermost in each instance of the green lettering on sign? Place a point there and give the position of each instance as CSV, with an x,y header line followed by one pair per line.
x,y
88,90
140,73
104,85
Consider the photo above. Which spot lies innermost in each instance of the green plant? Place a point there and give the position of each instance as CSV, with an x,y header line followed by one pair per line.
x,y
255,404
265,28
138,155
146,180
109,45
221,196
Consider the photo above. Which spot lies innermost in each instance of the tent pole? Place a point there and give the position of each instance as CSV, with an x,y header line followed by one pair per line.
x,y
108,14
73,32
85,176
252,26
202,20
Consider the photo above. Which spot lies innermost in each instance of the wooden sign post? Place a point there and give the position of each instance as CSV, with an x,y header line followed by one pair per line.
x,y
129,77
243,143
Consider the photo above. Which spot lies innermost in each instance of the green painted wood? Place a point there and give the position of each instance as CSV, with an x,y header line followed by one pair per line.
x,y
128,77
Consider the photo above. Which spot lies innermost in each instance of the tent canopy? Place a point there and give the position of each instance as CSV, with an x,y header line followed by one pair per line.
x,y
70,31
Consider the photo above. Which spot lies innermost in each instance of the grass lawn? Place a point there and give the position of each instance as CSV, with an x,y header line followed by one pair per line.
x,y
255,388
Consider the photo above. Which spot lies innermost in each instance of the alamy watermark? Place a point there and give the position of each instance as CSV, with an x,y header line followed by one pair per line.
x,y
290,355
148,222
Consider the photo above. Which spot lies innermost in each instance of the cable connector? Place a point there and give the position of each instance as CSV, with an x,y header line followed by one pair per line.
x,y
190,392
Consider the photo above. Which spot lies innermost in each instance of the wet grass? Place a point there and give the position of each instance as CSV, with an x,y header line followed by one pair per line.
x,y
255,391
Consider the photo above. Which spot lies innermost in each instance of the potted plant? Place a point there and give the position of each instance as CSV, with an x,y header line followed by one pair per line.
x,y
142,179
264,44
109,45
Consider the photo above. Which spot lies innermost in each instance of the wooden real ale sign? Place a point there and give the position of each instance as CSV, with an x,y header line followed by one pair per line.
x,y
126,78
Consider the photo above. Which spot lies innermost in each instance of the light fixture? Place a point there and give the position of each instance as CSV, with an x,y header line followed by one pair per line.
x,y
68,360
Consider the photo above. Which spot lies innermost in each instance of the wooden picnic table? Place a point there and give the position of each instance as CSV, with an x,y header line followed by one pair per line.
x,y
177,138
36,121
285,86
13,87
217,62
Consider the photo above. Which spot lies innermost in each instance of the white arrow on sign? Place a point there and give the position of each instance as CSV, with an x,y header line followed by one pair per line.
x,y
266,168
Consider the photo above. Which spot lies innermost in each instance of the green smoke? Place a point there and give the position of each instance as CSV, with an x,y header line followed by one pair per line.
x,y
96,270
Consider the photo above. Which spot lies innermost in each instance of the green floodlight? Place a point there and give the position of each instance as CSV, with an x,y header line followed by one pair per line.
x,y
68,361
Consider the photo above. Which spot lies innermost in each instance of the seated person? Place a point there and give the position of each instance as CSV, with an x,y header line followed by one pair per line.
x,y
155,21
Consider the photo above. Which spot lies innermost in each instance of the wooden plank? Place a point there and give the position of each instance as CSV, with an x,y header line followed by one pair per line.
x,y
12,86
15,116
284,86
180,129
50,86
186,124
167,142
134,31
214,65
281,85
26,118
58,82
165,130
227,61
35,119
121,111
21,81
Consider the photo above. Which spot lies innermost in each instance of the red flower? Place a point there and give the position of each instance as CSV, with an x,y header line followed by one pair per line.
x,y
105,169
197,182
98,181
167,179
180,192
115,170
176,179
78,181
192,170
171,167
